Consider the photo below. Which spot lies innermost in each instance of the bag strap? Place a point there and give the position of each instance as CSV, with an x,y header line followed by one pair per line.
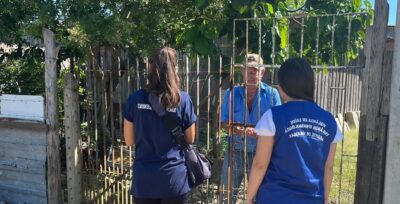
x,y
170,119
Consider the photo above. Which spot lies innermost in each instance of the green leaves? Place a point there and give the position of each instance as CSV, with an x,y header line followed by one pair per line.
x,y
282,7
356,5
282,31
242,6
143,25
203,46
200,43
236,4
270,8
243,9
294,5
23,76
325,69
200,3
208,29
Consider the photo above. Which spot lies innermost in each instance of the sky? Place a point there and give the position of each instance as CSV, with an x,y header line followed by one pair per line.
x,y
392,11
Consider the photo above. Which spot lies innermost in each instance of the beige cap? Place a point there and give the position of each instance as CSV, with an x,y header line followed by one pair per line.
x,y
253,60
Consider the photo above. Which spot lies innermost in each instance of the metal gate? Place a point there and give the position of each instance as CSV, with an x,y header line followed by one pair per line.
x,y
108,162
338,64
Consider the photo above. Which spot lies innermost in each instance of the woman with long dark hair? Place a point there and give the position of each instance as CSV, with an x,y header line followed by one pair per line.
x,y
296,144
159,171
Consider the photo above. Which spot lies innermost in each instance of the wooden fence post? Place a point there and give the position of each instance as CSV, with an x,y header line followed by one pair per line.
x,y
374,117
392,180
73,139
53,140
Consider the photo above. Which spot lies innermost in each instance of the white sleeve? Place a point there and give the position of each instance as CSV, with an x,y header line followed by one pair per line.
x,y
265,126
338,136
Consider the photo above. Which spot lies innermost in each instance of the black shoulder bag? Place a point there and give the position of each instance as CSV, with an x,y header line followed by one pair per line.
x,y
198,165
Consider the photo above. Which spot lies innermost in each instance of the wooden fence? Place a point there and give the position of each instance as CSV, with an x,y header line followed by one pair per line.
x,y
107,162
109,79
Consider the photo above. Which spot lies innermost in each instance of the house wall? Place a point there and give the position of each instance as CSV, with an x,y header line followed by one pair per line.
x,y
22,161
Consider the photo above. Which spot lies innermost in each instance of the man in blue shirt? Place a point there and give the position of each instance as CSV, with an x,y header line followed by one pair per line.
x,y
241,110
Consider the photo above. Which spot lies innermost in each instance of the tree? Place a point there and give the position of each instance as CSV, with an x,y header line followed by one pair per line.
x,y
138,26
269,9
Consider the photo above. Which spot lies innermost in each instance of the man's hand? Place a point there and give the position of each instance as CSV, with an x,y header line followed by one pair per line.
x,y
240,130
250,132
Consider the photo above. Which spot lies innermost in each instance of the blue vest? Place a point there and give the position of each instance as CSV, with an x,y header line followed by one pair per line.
x,y
268,97
304,133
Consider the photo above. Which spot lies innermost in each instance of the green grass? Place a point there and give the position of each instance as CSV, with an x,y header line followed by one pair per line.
x,y
345,174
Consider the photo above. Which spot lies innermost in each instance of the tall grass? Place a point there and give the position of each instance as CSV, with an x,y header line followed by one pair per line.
x,y
343,185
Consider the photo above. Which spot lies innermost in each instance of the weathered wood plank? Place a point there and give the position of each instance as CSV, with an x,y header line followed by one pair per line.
x,y
317,87
326,92
359,88
23,125
392,179
10,173
375,62
364,91
342,91
357,93
387,77
21,136
353,90
23,187
12,196
53,140
373,126
73,139
15,150
23,165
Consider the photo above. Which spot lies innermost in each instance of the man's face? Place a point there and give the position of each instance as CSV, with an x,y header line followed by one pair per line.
x,y
253,75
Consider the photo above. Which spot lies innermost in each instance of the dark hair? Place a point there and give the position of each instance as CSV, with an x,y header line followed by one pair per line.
x,y
296,78
163,77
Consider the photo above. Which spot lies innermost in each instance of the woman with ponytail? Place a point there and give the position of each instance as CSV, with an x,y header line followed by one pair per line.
x,y
159,171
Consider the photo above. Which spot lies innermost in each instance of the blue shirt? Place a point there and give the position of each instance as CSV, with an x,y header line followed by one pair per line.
x,y
268,97
303,133
159,169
